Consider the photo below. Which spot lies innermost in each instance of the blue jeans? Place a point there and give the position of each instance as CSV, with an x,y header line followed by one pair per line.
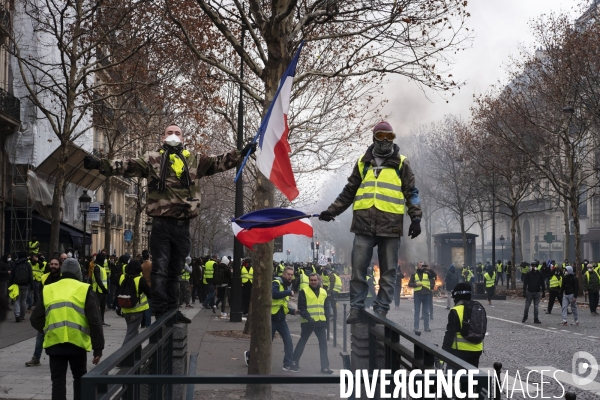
x,y
39,342
423,300
210,296
362,252
288,346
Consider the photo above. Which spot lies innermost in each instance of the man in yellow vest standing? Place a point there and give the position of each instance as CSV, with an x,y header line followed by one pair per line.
x,y
247,273
185,292
38,270
454,342
69,317
209,270
99,284
312,303
134,315
381,189
490,280
422,284
34,246
279,309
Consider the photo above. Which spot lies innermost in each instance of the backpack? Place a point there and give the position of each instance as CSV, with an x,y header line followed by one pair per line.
x,y
21,274
127,296
474,325
218,275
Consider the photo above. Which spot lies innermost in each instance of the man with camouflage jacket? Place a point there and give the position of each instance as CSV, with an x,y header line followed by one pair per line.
x,y
173,175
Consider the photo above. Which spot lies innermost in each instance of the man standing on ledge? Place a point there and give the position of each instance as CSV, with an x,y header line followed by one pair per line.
x,y
380,188
173,175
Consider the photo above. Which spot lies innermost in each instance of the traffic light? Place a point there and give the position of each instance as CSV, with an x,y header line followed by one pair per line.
x,y
317,245
312,245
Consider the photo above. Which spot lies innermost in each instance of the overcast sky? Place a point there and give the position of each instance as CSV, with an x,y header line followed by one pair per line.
x,y
501,29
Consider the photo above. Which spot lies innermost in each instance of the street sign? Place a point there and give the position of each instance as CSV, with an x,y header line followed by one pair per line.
x,y
128,235
94,212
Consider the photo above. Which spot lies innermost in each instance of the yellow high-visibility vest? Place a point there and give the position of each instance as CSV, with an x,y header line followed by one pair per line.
x,y
383,192
315,305
304,281
337,286
66,322
247,274
461,343
489,279
34,247
209,270
426,282
38,271
142,305
103,278
278,303
555,282
185,276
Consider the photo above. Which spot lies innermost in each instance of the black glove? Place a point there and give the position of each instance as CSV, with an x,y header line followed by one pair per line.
x,y
250,148
415,229
326,216
91,162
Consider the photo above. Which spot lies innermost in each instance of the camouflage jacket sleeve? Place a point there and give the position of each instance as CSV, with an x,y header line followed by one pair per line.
x,y
346,198
127,168
209,165
411,193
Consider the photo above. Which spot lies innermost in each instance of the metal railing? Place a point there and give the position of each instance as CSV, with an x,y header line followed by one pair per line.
x,y
10,105
153,363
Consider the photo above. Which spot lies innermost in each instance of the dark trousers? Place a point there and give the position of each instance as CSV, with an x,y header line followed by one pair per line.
x,y
507,281
288,346
58,374
169,245
321,334
499,277
397,290
490,292
593,299
102,301
196,292
554,295
246,296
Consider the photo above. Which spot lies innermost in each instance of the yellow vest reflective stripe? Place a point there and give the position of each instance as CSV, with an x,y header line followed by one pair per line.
x,y
106,268
555,282
304,280
34,247
337,286
459,342
426,282
489,279
278,303
142,305
499,267
38,271
103,278
383,192
64,302
247,274
209,270
369,292
315,305
185,276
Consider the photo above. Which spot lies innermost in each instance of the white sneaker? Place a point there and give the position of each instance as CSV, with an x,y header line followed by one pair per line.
x,y
247,357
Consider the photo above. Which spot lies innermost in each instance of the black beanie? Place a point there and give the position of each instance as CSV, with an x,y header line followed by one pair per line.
x,y
462,291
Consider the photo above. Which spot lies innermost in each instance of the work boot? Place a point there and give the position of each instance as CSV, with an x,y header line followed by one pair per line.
x,y
354,316
35,362
537,321
182,318
382,313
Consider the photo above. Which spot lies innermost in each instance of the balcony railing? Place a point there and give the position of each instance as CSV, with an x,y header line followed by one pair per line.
x,y
10,105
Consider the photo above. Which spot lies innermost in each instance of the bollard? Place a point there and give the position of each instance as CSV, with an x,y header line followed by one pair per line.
x,y
497,390
570,396
345,333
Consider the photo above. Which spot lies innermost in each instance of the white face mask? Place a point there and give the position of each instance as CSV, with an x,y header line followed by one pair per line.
x,y
69,255
173,140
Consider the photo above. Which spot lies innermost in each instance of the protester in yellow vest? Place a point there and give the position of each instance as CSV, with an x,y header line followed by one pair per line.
x,y
38,270
279,309
185,292
71,321
421,282
209,270
380,189
554,285
34,246
312,303
247,273
453,340
490,282
99,284
133,316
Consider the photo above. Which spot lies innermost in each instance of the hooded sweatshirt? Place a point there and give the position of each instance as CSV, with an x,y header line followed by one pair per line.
x,y
452,277
570,284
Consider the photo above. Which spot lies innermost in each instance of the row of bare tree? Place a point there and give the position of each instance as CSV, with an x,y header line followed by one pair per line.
x,y
531,145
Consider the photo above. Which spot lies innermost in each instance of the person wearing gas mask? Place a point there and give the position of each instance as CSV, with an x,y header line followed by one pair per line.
x,y
380,190
173,174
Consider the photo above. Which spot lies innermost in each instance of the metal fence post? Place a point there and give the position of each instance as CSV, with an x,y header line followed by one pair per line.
x,y
345,328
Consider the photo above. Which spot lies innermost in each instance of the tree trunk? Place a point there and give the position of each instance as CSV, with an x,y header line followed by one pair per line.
x,y
520,238
107,186
260,329
577,264
567,230
482,227
57,195
428,227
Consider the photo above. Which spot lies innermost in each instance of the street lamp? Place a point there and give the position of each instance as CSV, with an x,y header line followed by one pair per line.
x,y
149,229
288,255
84,207
502,242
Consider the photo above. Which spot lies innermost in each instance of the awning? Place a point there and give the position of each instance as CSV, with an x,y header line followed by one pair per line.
x,y
593,235
74,171
68,233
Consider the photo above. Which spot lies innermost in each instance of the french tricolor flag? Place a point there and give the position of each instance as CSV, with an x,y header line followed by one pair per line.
x,y
265,225
272,157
